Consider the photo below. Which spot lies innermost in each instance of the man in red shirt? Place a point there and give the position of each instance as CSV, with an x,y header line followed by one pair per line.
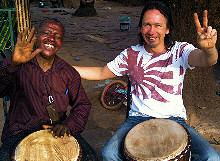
x,y
36,80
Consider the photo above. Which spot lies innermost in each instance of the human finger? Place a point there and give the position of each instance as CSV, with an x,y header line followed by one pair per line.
x,y
63,132
202,36
208,33
68,132
47,126
205,18
24,34
214,35
197,23
34,53
33,39
214,32
19,37
57,130
31,35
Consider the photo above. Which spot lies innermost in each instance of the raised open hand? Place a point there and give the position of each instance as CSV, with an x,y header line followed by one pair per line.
x,y
24,47
207,36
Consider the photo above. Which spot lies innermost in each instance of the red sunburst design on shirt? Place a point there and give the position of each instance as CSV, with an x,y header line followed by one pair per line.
x,y
138,74
179,54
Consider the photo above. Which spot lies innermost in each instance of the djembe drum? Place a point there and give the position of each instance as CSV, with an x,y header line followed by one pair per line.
x,y
157,139
42,146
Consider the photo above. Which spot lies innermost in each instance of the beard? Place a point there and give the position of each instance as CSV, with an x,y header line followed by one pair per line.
x,y
151,44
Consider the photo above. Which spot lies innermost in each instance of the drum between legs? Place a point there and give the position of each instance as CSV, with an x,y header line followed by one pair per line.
x,y
157,139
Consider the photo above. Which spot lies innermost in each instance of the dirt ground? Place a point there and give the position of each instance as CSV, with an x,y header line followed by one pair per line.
x,y
94,41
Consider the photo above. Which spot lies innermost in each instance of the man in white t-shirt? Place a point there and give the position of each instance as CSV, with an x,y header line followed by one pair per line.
x,y
156,79
156,68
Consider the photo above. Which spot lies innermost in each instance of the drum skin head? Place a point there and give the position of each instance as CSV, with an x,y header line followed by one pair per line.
x,y
155,139
42,146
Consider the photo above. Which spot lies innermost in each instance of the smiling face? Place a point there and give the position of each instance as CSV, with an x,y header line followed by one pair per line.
x,y
153,30
50,38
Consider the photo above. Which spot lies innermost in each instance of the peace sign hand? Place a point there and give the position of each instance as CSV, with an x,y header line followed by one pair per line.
x,y
207,36
24,47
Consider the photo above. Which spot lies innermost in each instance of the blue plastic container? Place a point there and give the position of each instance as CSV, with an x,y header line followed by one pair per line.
x,y
124,23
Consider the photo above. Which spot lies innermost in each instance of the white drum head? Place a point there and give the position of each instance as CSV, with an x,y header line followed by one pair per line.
x,y
156,139
42,146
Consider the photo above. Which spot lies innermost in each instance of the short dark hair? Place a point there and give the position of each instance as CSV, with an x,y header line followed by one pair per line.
x,y
51,19
166,11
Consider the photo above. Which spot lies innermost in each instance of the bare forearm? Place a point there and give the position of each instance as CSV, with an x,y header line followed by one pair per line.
x,y
94,73
205,57
210,56
90,73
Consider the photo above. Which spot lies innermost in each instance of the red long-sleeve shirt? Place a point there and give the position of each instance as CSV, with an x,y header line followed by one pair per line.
x,y
29,87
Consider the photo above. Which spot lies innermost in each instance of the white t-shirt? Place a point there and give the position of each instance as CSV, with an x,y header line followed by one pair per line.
x,y
156,80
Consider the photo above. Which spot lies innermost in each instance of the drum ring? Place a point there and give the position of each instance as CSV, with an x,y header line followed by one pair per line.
x,y
187,148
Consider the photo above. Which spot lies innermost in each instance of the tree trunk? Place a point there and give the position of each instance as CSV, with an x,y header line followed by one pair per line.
x,y
86,9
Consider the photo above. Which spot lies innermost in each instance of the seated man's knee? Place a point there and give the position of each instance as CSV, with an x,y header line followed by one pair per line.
x,y
109,153
105,153
208,156
214,156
